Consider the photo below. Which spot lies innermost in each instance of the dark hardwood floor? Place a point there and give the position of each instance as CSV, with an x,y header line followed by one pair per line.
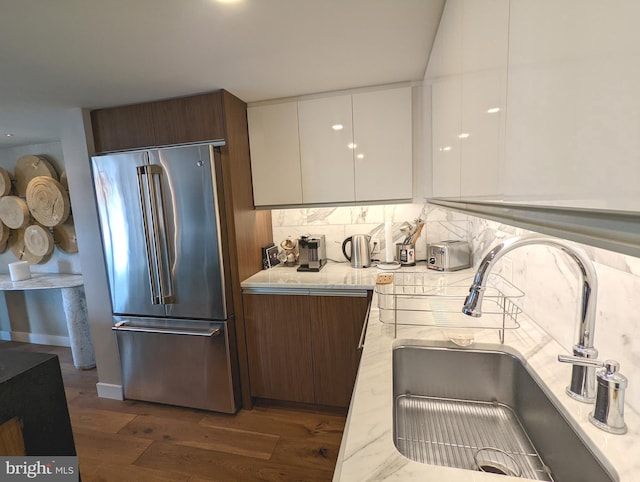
x,y
136,441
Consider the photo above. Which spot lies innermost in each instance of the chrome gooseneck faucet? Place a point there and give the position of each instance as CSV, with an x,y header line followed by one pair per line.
x,y
582,386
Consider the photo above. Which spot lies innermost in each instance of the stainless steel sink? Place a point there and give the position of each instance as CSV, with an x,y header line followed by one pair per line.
x,y
481,409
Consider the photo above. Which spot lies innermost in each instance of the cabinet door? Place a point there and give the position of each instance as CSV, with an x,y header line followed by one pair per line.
x,y
336,324
382,134
326,150
184,120
446,112
275,154
278,340
122,128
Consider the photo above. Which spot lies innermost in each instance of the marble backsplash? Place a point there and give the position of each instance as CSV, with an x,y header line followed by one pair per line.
x,y
549,279
338,223
546,275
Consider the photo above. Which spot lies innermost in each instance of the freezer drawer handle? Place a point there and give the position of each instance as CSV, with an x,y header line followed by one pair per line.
x,y
122,326
157,249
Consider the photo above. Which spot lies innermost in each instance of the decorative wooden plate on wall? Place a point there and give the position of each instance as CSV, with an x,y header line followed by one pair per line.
x,y
20,251
5,182
38,240
4,233
48,201
64,236
14,212
29,167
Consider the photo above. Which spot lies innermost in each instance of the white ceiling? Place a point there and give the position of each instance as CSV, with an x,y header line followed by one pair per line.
x,y
62,54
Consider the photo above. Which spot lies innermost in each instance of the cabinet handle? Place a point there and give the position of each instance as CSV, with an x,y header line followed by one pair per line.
x,y
364,328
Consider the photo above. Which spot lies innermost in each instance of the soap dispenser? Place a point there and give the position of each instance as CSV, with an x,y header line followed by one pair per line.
x,y
608,413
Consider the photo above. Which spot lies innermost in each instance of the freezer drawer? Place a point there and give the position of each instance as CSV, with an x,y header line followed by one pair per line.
x,y
177,363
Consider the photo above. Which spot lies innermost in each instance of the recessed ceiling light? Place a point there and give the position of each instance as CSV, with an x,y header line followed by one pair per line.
x,y
493,110
337,127
228,1
445,149
360,156
352,145
8,135
463,135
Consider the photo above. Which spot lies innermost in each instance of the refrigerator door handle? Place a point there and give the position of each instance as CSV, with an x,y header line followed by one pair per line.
x,y
157,249
122,326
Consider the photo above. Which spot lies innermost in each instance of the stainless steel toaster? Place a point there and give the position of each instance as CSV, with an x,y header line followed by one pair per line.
x,y
448,255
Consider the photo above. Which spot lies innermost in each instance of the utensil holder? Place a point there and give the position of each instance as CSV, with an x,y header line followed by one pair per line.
x,y
406,254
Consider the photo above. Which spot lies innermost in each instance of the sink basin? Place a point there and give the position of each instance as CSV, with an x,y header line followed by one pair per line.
x,y
481,409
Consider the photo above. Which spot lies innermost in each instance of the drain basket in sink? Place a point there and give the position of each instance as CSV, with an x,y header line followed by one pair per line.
x,y
464,433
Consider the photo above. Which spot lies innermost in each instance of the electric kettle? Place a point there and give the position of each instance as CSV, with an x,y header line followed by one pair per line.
x,y
360,256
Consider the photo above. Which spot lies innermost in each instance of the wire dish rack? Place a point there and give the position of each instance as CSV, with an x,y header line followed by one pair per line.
x,y
417,298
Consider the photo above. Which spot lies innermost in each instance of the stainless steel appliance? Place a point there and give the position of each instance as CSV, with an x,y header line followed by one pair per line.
x,y
313,254
448,255
165,251
360,250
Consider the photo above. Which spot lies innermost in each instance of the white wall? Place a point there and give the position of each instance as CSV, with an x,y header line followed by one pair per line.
x,y
36,315
77,144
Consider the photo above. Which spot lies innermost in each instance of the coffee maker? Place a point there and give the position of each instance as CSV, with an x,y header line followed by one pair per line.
x,y
313,254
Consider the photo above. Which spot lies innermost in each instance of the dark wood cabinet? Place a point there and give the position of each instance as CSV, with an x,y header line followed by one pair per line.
x,y
336,324
183,120
197,118
122,128
278,341
304,348
31,390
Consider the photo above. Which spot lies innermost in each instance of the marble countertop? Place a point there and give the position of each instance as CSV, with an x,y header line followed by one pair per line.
x,y
41,281
367,451
333,276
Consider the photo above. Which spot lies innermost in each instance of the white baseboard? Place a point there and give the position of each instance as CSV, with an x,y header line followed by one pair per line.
x,y
109,390
35,338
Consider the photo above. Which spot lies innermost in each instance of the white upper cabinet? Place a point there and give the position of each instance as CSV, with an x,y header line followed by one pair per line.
x,y
444,72
337,149
467,72
326,150
382,138
275,154
574,104
546,95
446,108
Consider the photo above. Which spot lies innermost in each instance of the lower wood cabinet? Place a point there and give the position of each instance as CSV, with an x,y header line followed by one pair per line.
x,y
304,347
278,346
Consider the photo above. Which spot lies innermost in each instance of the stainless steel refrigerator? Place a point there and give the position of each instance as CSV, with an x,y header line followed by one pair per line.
x,y
164,244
